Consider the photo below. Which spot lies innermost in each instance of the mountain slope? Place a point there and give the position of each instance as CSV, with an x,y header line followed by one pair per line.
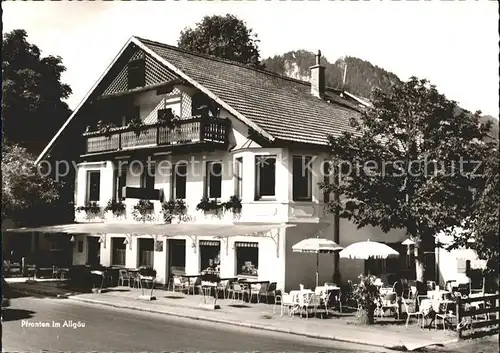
x,y
361,75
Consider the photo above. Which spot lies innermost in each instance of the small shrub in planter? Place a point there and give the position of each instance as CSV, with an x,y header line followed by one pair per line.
x,y
92,209
367,296
143,211
207,205
116,207
173,208
147,272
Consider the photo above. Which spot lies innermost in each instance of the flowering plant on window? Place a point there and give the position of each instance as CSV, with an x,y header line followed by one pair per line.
x,y
92,209
168,118
206,205
234,204
105,128
136,124
173,208
115,206
143,211
249,269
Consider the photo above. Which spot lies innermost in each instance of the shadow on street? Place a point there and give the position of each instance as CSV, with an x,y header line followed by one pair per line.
x,y
16,314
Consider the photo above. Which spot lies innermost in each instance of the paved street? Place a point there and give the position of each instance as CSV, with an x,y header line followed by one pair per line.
x,y
109,329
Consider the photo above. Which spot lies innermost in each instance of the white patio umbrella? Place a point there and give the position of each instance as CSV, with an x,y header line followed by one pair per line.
x,y
368,250
316,246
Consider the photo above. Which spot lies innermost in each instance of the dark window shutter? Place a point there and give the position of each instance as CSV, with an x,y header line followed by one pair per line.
x,y
136,73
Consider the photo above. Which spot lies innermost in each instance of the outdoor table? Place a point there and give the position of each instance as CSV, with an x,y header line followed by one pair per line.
x,y
437,294
98,273
147,279
207,288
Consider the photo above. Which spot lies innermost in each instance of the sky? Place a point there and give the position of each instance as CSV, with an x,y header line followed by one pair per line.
x,y
454,44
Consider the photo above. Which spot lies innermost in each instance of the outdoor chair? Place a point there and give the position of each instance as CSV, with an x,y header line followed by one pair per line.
x,y
277,301
193,285
135,280
237,290
389,301
326,301
270,292
312,304
411,311
254,292
445,316
222,286
177,284
258,293
287,303
123,276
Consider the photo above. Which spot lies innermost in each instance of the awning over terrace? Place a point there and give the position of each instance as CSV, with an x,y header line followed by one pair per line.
x,y
192,230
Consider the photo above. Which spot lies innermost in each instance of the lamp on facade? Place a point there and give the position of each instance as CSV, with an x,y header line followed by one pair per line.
x,y
72,239
127,241
408,242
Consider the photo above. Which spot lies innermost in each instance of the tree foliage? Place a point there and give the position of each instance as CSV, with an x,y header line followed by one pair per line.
x,y
32,93
409,163
222,36
26,187
483,226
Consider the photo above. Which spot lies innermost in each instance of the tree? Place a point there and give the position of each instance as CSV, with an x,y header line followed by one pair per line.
x,y
26,188
32,93
409,163
483,226
225,37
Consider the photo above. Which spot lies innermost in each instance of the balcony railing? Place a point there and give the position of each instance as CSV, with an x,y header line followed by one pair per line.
x,y
189,131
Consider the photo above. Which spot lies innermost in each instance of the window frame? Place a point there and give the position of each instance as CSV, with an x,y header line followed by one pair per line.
x,y
307,178
87,195
238,177
208,181
175,181
145,177
258,170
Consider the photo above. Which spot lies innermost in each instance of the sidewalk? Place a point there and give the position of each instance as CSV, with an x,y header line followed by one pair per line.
x,y
385,333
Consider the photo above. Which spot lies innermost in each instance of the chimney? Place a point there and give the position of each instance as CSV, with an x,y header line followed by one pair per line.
x,y
318,77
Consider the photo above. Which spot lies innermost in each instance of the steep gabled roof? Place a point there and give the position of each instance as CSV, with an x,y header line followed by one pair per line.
x,y
281,106
275,106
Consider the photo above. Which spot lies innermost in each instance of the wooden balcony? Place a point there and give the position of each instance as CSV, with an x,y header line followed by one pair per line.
x,y
195,130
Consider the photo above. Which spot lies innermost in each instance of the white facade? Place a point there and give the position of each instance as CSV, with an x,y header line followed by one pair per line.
x,y
276,261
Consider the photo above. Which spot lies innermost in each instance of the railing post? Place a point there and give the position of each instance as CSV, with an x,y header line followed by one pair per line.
x,y
119,140
202,129
158,135
459,317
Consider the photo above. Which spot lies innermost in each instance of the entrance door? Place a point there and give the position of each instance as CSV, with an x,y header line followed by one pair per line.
x,y
176,257
93,251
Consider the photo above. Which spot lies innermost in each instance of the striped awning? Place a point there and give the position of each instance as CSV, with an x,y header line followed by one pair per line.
x,y
245,244
209,243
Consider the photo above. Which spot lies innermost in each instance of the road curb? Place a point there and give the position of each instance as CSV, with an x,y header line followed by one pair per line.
x,y
240,324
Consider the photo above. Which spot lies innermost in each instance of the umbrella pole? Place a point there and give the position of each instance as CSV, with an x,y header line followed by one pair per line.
x,y
317,268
